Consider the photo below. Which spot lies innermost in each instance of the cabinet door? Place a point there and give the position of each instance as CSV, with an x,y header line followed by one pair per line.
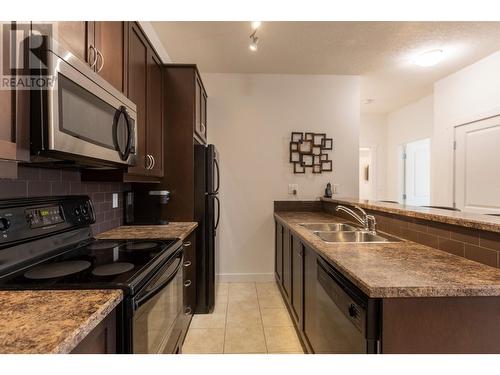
x,y
278,256
310,277
110,42
154,142
137,89
297,260
287,264
7,109
203,109
77,37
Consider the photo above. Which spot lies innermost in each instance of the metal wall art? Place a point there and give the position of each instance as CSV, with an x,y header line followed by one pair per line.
x,y
309,151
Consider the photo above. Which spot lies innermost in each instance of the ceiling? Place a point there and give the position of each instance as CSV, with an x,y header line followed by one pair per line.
x,y
380,52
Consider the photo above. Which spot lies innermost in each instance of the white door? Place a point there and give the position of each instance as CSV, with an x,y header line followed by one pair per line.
x,y
477,166
417,169
365,174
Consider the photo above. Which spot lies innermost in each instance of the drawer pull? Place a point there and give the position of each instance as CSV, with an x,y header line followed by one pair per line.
x,y
187,243
187,263
187,283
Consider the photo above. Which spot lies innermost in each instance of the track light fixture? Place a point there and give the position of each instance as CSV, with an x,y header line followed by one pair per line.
x,y
254,40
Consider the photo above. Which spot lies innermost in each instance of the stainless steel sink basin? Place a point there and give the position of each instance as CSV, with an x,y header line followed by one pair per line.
x,y
356,237
329,227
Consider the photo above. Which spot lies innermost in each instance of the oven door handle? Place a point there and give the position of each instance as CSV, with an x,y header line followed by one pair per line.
x,y
159,284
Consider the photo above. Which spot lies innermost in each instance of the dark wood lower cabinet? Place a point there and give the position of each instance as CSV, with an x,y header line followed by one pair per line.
x,y
278,256
322,312
297,298
287,264
101,340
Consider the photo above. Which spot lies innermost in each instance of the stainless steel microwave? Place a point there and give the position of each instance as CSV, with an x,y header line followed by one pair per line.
x,y
77,118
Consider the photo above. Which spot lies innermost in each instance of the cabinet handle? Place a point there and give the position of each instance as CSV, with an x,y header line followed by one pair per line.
x,y
149,161
188,311
153,163
94,61
99,54
187,263
187,283
187,243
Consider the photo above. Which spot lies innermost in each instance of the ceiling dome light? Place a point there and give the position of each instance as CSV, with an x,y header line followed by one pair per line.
x,y
429,58
256,25
254,44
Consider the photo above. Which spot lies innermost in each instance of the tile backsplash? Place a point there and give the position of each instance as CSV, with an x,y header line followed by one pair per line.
x,y
36,182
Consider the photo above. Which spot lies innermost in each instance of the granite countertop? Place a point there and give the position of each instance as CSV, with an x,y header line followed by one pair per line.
x,y
178,230
54,321
464,219
398,269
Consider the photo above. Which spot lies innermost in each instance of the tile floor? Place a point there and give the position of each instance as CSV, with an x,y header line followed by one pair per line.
x,y
248,318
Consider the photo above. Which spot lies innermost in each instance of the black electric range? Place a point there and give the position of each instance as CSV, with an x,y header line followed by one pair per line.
x,y
47,243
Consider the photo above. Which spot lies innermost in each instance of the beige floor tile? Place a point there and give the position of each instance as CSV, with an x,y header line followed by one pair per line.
x,y
220,307
276,317
204,341
243,316
208,321
244,303
244,340
221,289
221,298
270,301
242,294
267,287
282,340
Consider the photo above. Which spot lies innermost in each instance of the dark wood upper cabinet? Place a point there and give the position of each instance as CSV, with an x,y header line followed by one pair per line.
x,y
137,92
109,41
200,128
154,130
77,37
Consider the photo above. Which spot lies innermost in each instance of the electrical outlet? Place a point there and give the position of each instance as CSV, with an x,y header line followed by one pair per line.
x,y
115,200
335,188
293,189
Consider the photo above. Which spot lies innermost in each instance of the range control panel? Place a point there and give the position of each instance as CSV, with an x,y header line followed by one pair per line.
x,y
41,217
25,218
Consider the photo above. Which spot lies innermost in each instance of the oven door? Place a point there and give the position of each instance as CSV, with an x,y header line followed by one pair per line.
x,y
82,115
158,308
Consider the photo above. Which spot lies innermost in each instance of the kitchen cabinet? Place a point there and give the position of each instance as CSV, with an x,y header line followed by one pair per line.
x,y
100,44
278,254
297,265
14,110
287,265
145,90
102,339
310,277
184,80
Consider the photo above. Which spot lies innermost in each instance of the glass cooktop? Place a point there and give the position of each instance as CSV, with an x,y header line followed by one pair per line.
x,y
96,264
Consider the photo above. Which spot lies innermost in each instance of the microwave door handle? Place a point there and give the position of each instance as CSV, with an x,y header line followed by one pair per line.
x,y
218,212
159,285
216,163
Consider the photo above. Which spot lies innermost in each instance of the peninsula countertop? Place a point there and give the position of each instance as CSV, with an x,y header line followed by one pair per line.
x,y
51,321
180,230
397,269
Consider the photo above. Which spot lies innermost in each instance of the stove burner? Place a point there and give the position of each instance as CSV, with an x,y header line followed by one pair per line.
x,y
59,269
99,245
140,245
112,269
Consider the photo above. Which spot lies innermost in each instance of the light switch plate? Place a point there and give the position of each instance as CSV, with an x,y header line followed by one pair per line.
x,y
115,200
293,189
335,188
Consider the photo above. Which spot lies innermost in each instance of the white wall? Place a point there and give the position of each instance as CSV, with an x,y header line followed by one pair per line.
x,y
470,94
250,118
409,123
373,134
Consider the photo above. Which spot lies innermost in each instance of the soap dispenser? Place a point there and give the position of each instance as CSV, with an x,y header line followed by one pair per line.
x,y
328,190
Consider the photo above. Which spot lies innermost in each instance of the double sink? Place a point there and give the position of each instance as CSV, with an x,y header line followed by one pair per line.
x,y
347,233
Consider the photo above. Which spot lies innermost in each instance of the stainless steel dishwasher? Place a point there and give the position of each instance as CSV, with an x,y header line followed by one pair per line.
x,y
345,318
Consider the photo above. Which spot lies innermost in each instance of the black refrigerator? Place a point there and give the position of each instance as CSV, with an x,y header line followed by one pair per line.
x,y
207,214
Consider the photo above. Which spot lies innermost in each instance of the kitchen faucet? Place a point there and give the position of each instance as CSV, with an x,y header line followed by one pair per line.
x,y
367,221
